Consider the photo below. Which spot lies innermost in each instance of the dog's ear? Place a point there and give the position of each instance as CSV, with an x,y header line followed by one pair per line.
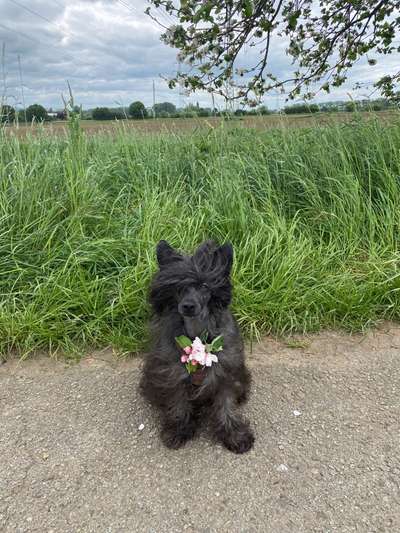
x,y
166,254
225,257
203,256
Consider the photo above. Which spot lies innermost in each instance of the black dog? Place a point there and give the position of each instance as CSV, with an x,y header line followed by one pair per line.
x,y
190,296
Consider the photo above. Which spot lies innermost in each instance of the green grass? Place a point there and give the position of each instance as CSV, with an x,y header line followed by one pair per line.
x,y
313,214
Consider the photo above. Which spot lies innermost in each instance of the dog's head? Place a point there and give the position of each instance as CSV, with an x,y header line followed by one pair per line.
x,y
192,284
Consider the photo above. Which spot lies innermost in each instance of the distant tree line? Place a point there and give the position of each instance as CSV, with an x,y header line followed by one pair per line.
x,y
138,111
7,114
104,113
379,104
34,112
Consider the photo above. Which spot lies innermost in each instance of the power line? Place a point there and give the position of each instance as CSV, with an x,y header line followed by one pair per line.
x,y
42,17
33,12
39,15
33,39
133,10
12,30
128,6
65,32
164,14
123,3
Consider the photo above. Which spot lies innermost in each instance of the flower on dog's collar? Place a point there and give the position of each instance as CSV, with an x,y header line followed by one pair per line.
x,y
196,354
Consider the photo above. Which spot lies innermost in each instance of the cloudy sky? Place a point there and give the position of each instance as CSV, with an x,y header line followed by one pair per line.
x,y
110,52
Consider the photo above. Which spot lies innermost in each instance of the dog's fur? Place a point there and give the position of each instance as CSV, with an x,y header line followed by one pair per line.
x,y
190,295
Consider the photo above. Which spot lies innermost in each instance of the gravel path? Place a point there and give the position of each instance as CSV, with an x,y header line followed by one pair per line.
x,y
74,455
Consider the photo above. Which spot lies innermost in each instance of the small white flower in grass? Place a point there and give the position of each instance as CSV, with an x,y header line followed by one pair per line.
x,y
141,427
282,468
296,413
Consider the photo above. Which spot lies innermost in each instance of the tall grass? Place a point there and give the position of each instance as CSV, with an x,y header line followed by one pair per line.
x,y
313,215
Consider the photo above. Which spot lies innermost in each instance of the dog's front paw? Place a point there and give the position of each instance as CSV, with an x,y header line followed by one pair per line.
x,y
242,397
239,441
174,439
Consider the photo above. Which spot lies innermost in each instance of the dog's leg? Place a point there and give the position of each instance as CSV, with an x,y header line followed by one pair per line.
x,y
234,433
242,386
179,420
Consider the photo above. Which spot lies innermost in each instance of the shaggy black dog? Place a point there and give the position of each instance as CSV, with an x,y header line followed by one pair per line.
x,y
190,296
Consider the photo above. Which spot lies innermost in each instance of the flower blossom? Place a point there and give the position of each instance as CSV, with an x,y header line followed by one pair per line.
x,y
200,355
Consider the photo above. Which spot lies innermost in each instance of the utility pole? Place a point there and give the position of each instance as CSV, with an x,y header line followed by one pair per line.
x,y
3,98
154,99
22,86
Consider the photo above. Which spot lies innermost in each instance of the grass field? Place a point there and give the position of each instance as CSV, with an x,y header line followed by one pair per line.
x,y
173,125
313,214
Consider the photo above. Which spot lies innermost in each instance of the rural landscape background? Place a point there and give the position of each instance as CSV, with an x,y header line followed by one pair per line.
x,y
312,213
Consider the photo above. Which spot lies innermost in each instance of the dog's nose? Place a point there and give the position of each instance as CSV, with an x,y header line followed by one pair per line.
x,y
188,308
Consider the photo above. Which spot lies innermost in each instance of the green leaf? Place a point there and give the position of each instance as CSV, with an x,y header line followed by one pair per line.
x,y
292,19
248,8
183,341
191,368
204,12
203,337
216,345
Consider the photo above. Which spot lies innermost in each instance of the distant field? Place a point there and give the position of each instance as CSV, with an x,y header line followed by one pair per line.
x,y
190,125
313,214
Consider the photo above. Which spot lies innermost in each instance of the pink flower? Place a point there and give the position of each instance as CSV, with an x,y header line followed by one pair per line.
x,y
197,354
198,351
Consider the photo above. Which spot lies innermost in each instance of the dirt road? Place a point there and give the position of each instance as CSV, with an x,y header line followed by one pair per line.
x,y
74,455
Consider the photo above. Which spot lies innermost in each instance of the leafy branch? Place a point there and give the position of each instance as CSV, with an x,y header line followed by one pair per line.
x,y
325,39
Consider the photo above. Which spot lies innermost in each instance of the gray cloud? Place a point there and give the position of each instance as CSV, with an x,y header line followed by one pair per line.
x,y
110,52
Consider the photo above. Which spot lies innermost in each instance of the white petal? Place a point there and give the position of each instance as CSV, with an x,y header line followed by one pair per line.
x,y
198,345
199,357
210,359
